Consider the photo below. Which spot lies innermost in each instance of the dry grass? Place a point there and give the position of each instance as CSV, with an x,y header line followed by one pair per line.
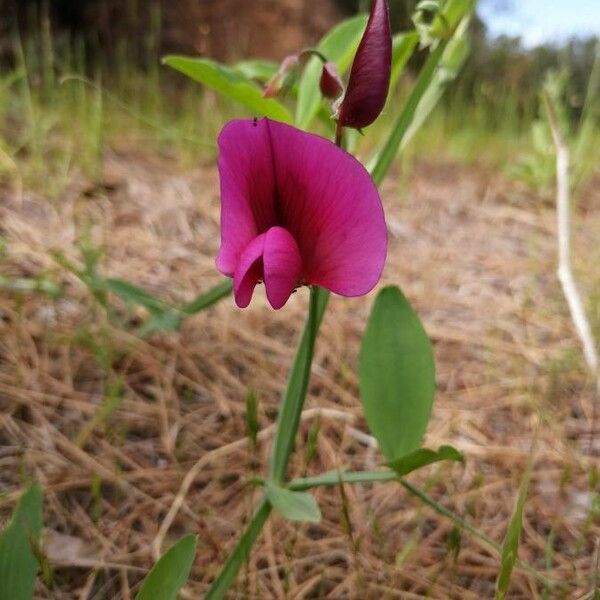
x,y
476,257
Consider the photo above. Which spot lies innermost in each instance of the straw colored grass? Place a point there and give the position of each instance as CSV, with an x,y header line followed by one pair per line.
x,y
475,255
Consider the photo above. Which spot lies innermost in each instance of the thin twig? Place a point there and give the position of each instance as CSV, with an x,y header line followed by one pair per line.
x,y
565,271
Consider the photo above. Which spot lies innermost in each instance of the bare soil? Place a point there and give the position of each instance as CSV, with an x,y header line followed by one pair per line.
x,y
474,253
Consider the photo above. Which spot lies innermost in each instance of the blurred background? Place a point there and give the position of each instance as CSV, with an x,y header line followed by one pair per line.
x,y
119,44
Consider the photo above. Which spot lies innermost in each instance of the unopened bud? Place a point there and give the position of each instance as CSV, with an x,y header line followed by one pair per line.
x,y
331,83
280,80
370,74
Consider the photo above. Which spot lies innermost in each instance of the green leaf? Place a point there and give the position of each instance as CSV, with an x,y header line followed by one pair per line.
x,y
18,563
294,506
338,46
256,69
170,572
231,84
423,457
510,547
397,375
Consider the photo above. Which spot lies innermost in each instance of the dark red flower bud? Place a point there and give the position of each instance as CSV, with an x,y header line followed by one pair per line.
x,y
331,83
370,74
278,82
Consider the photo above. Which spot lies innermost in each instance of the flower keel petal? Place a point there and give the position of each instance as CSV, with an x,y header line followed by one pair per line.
x,y
282,265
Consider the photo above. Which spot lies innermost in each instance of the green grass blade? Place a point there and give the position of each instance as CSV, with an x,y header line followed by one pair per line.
x,y
397,375
295,394
293,505
231,84
132,294
170,572
240,554
510,547
207,299
338,46
170,318
18,563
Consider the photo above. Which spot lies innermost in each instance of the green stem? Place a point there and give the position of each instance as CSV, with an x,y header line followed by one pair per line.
x,y
240,554
283,445
289,415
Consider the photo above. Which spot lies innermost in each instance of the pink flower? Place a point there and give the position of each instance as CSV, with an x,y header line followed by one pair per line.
x,y
295,209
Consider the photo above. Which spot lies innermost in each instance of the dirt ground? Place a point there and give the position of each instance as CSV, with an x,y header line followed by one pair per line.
x,y
473,252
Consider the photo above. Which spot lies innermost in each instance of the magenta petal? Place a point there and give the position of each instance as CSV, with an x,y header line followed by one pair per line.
x,y
331,84
331,207
248,271
282,266
247,188
370,73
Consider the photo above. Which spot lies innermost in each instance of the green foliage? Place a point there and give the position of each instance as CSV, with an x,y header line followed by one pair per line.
x,y
338,46
510,547
170,572
397,375
422,457
294,506
440,68
19,546
230,84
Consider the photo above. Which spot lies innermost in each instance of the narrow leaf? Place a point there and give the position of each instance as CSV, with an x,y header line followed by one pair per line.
x,y
510,547
230,84
170,572
18,563
338,46
294,506
423,457
240,554
134,295
397,375
206,299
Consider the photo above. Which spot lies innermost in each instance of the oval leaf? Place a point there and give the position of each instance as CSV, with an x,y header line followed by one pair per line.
x,y
338,46
397,375
18,564
294,506
231,84
170,572
423,457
